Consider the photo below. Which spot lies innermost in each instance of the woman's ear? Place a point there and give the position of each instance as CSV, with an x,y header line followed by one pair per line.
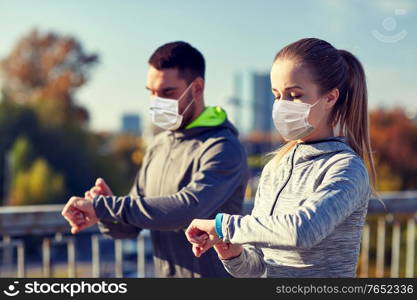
x,y
331,98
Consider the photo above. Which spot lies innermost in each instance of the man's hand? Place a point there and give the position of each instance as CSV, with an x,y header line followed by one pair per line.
x,y
100,188
80,213
202,235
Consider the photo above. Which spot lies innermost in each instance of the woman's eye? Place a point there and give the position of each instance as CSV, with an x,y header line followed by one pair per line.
x,y
295,96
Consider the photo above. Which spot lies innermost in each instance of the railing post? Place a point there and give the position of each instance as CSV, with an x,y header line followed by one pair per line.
x,y
380,247
411,240
118,255
71,258
141,255
95,256
46,257
395,254
7,251
21,259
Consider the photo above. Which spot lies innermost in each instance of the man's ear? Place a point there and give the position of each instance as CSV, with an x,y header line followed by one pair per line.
x,y
332,98
198,88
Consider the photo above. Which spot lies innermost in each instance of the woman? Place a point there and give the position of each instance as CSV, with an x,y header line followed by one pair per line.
x,y
313,195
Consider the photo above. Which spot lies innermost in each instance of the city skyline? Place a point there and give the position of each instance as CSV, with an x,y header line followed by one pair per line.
x,y
234,36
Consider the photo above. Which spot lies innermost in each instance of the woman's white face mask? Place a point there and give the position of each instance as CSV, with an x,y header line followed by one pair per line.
x,y
291,118
164,112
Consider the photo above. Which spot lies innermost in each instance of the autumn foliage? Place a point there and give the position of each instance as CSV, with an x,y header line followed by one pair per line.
x,y
394,141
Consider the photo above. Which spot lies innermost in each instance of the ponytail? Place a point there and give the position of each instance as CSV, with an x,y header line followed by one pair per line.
x,y
352,114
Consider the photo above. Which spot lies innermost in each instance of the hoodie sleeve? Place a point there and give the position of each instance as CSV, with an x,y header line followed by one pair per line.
x,y
344,189
249,264
120,230
222,169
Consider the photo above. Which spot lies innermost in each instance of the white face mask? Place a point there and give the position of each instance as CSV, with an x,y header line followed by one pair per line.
x,y
291,118
165,112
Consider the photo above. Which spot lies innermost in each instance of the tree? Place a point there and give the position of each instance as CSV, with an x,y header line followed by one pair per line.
x,y
44,129
47,69
21,155
394,141
39,185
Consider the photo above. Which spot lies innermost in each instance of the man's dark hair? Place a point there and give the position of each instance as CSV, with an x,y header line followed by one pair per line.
x,y
182,56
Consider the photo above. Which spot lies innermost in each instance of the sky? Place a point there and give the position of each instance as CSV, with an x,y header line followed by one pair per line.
x,y
235,37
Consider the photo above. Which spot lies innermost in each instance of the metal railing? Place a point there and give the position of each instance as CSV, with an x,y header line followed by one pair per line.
x,y
387,248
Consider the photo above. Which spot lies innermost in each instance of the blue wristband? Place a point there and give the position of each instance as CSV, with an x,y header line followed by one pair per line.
x,y
218,225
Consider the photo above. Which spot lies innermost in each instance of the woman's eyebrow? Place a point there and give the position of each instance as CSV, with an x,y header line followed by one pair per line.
x,y
289,88
294,87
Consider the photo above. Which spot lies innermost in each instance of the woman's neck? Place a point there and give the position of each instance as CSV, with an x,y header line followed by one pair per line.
x,y
318,135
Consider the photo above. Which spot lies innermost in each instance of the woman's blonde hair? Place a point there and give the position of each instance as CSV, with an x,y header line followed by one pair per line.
x,y
332,68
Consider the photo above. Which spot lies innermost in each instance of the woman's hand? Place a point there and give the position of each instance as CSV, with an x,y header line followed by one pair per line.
x,y
227,250
202,235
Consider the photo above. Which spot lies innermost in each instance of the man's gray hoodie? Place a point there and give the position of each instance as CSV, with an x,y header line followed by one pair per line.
x,y
186,174
308,215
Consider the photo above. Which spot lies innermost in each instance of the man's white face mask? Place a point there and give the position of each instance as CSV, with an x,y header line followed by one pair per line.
x,y
165,111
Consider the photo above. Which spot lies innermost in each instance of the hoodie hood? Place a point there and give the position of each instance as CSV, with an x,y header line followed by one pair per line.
x,y
311,150
212,118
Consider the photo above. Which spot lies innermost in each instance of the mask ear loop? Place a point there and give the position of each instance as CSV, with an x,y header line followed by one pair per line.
x,y
186,90
188,106
308,112
182,95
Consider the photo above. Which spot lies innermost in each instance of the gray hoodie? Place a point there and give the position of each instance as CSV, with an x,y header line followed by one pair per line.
x,y
308,215
186,174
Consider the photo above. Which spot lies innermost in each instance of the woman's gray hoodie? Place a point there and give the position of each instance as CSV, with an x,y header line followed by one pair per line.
x,y
308,215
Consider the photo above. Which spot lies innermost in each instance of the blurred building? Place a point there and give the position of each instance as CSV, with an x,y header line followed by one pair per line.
x,y
251,112
131,123
236,104
250,105
262,103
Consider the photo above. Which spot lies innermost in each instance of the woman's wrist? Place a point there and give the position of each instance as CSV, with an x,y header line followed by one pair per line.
x,y
227,251
218,225
231,257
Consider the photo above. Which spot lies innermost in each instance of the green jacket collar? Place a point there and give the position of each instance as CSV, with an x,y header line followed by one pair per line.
x,y
210,117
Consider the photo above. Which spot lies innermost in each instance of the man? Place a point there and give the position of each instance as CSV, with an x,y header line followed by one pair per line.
x,y
194,169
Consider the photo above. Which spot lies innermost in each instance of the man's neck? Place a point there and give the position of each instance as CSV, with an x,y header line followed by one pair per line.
x,y
200,106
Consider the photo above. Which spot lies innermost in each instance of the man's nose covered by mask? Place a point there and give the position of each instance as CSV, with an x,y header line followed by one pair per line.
x,y
165,111
291,118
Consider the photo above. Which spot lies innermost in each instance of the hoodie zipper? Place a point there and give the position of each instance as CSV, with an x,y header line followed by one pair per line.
x,y
292,166
286,182
164,170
